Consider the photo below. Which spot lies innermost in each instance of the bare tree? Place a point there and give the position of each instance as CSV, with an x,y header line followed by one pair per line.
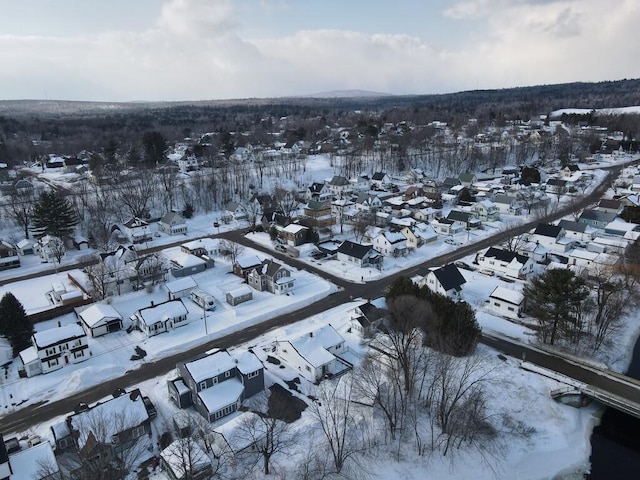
x,y
135,192
333,412
231,250
361,224
19,206
287,201
58,251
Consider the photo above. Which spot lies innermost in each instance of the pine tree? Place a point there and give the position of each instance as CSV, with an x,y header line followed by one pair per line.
x,y
53,215
14,323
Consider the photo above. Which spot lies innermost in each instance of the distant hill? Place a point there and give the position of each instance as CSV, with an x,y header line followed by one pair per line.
x,y
348,94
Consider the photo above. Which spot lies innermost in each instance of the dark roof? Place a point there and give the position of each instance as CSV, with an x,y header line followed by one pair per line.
x,y
378,176
317,205
450,182
338,180
355,250
556,182
449,277
598,215
316,187
547,230
458,216
572,226
610,203
572,167
505,255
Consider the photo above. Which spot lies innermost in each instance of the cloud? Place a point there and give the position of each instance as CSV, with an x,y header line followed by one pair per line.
x,y
198,18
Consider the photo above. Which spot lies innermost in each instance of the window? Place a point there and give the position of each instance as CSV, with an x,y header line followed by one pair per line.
x,y
203,385
50,351
308,368
227,374
253,374
52,363
78,354
511,309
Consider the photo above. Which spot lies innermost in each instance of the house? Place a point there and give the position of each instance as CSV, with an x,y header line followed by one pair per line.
x,y
552,237
25,247
367,317
466,219
318,191
339,186
37,462
610,205
272,277
506,302
188,163
185,264
391,243
137,230
235,211
217,383
104,428
578,231
315,354
444,226
507,204
367,202
202,247
569,170
380,179
427,214
485,210
621,228
239,295
172,223
160,318
505,262
445,280
359,255
318,213
53,348
449,183
467,179
8,256
186,460
294,234
418,235
244,265
180,288
596,218
99,319
556,186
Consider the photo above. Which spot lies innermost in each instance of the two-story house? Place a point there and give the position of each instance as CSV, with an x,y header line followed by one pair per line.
x,y
359,255
243,265
445,280
505,262
393,244
507,204
217,384
172,223
551,237
318,213
137,230
54,348
419,234
271,277
339,186
444,226
596,218
160,318
294,234
485,210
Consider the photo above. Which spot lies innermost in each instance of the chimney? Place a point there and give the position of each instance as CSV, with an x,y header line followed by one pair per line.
x,y
152,303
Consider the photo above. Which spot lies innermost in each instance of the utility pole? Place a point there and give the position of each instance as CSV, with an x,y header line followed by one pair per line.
x,y
204,316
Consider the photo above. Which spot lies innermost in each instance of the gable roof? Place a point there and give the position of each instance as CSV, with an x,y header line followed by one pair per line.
x,y
598,216
338,181
505,255
547,230
610,204
97,313
449,277
459,216
353,249
571,226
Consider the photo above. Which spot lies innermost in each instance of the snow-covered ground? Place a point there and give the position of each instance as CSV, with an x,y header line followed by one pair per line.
x,y
559,441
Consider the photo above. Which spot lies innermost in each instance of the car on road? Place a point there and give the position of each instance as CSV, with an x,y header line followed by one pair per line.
x,y
281,248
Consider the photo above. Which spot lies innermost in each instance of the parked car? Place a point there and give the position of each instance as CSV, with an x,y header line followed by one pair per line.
x,y
281,248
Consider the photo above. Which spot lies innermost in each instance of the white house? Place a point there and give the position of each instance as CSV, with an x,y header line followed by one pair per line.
x,y
445,280
99,319
315,354
137,230
180,288
161,318
419,234
53,348
172,223
391,243
486,210
552,237
358,255
444,226
505,262
506,302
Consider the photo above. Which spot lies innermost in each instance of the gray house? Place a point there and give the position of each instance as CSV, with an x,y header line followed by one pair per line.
x,y
217,384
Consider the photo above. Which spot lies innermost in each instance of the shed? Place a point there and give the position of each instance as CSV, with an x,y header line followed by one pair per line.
x,y
242,294
99,319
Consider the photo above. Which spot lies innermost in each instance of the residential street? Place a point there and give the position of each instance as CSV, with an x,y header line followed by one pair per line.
x,y
23,419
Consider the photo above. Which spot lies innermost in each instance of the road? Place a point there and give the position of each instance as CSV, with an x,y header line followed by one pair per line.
x,y
23,419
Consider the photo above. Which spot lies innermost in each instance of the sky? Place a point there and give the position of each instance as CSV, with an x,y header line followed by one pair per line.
x,y
171,50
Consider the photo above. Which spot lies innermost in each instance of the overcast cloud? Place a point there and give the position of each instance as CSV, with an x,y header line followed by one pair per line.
x,y
212,49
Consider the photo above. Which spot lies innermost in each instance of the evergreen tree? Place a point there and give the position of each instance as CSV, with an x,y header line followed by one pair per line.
x,y
53,215
555,300
14,323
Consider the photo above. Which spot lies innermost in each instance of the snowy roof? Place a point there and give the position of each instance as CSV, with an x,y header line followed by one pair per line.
x,y
28,355
583,254
123,412
181,284
161,312
56,335
293,228
222,394
183,459
206,243
510,296
248,262
98,313
247,362
181,387
60,430
394,237
313,347
25,242
210,366
186,260
240,291
28,463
